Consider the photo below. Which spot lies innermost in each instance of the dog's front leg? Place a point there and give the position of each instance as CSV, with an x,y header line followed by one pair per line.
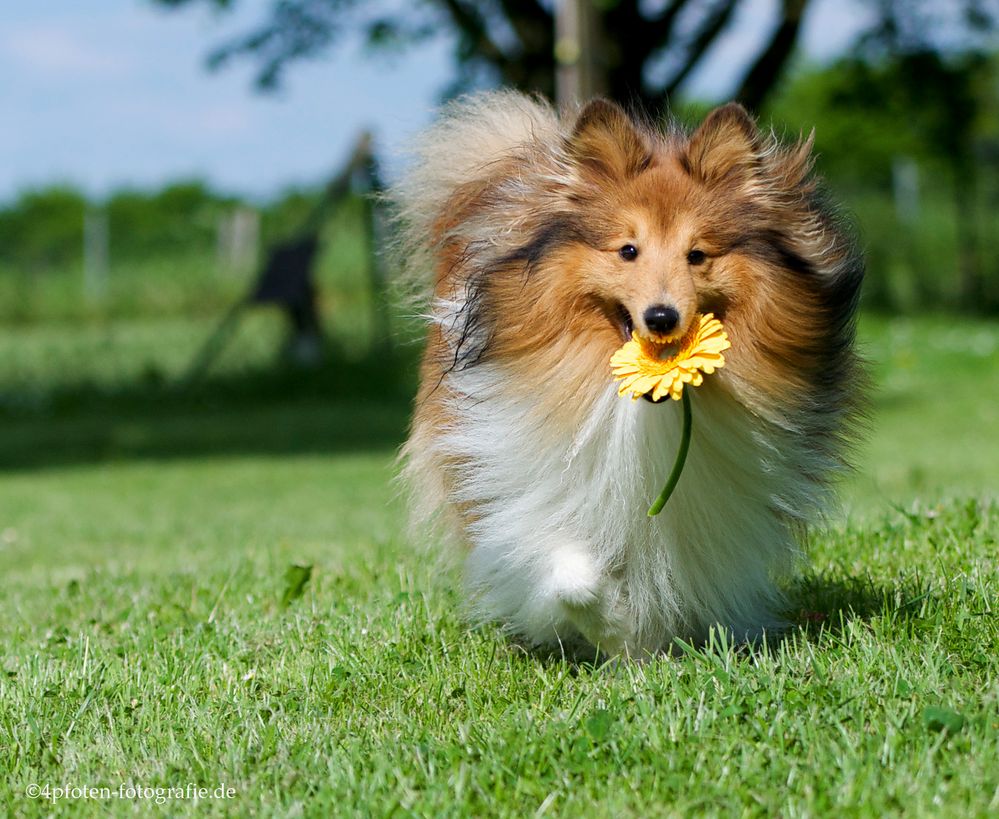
x,y
587,597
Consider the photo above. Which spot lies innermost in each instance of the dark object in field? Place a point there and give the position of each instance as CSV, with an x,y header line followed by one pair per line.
x,y
287,278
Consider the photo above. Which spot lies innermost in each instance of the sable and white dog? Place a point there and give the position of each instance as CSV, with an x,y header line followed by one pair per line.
x,y
542,242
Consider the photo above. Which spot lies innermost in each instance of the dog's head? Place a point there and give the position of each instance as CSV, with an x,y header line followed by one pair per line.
x,y
567,242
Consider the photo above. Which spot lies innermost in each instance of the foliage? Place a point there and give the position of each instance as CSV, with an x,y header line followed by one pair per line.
x,y
933,246
182,214
163,253
43,229
939,26
644,51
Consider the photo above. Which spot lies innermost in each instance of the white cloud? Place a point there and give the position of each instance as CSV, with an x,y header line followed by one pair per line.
x,y
56,50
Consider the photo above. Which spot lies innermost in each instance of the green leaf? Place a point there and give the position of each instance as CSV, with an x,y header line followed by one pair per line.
x,y
295,579
598,724
942,719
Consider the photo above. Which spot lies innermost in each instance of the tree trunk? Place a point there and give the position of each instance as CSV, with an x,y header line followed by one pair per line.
x,y
579,74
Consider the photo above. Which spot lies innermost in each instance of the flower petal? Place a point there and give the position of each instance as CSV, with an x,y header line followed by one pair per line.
x,y
639,365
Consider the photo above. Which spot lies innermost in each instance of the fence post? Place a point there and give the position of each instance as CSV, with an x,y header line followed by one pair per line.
x,y
905,189
238,235
95,254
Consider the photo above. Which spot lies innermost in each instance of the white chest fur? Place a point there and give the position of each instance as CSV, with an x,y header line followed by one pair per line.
x,y
561,545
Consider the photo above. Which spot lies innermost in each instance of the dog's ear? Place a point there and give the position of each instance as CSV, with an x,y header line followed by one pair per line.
x,y
725,147
606,141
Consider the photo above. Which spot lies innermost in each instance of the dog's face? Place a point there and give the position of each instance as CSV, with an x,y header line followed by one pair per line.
x,y
667,222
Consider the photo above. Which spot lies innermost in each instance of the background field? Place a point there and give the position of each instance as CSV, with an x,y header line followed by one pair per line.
x,y
150,630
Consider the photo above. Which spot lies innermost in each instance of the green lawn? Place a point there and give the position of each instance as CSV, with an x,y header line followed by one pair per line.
x,y
154,632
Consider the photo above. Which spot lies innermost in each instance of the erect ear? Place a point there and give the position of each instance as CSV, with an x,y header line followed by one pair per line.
x,y
606,140
725,146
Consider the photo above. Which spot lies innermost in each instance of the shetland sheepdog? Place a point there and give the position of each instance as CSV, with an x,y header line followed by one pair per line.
x,y
542,241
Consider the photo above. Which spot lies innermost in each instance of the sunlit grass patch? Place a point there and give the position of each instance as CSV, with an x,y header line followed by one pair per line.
x,y
154,628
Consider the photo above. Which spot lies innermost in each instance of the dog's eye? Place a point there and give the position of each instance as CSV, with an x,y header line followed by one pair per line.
x,y
696,257
628,253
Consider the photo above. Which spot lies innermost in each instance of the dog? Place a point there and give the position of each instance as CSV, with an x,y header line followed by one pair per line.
x,y
540,242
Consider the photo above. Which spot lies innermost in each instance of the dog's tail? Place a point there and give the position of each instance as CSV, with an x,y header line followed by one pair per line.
x,y
451,162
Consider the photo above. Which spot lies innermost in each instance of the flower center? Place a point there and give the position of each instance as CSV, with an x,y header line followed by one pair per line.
x,y
668,351
662,351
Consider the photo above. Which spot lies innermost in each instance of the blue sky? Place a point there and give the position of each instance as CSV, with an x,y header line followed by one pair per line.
x,y
106,93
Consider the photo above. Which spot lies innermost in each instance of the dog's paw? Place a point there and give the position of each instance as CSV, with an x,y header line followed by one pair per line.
x,y
575,578
588,599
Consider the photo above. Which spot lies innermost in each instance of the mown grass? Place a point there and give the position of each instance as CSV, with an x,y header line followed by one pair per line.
x,y
152,630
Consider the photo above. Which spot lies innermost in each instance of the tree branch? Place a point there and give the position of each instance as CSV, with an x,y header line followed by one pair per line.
x,y
762,76
706,34
660,29
472,27
532,24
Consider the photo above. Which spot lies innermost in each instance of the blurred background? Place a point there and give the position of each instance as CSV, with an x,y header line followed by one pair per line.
x,y
189,241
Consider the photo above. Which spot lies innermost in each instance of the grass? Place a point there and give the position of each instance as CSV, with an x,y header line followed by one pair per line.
x,y
154,630
934,431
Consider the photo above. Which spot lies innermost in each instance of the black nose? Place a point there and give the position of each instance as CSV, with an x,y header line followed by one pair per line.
x,y
661,319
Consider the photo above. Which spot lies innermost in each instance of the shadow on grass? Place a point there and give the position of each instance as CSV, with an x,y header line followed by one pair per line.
x,y
822,605
347,405
827,603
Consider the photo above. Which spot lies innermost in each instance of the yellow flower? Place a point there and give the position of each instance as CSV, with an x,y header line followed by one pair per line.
x,y
662,368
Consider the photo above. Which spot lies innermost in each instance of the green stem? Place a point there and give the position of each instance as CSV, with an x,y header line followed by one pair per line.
x,y
681,458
